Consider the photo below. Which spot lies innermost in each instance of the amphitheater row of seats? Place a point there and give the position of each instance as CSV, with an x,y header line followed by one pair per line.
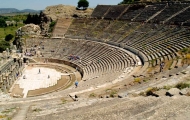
x,y
159,12
157,42
95,59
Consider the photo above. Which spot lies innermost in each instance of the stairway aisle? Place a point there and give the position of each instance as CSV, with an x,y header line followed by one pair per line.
x,y
22,112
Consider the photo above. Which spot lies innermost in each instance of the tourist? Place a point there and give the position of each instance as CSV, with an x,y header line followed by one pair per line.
x,y
76,84
24,77
39,71
17,74
161,66
48,76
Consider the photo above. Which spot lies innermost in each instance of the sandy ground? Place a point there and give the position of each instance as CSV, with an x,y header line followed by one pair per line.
x,y
38,80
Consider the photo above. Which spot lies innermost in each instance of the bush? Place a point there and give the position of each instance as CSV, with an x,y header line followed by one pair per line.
x,y
8,37
150,92
145,80
182,85
153,89
51,26
138,80
113,93
92,95
4,45
167,87
184,50
2,23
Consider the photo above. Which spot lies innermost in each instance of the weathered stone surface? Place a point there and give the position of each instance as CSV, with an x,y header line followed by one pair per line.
x,y
65,11
185,91
31,29
174,91
161,92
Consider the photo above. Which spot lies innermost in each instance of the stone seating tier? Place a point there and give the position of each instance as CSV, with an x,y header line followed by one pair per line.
x,y
94,58
100,10
182,17
169,11
149,11
115,11
155,40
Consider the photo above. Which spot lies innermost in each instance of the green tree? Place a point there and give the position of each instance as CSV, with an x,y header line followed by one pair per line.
x,y
2,23
4,45
8,37
35,19
28,19
83,4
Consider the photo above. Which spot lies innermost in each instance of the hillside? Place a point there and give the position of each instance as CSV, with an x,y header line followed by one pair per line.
x,y
8,10
65,11
14,10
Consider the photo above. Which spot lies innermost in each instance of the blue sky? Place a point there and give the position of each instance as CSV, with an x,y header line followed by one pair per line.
x,y
42,4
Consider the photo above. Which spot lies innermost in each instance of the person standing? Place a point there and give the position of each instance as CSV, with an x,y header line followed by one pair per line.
x,y
76,84
161,66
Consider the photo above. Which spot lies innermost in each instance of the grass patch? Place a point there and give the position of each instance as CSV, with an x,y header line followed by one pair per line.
x,y
184,50
108,90
167,87
145,80
8,30
167,65
150,92
2,116
51,26
112,93
8,118
153,89
188,56
182,85
8,110
152,62
92,95
138,80
63,101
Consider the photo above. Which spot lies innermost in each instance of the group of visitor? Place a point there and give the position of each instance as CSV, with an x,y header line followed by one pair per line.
x,y
73,57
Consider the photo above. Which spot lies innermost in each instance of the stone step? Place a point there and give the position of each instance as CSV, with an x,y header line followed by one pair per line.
x,y
21,115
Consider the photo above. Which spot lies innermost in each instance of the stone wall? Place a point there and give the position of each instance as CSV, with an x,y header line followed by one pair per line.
x,y
9,72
